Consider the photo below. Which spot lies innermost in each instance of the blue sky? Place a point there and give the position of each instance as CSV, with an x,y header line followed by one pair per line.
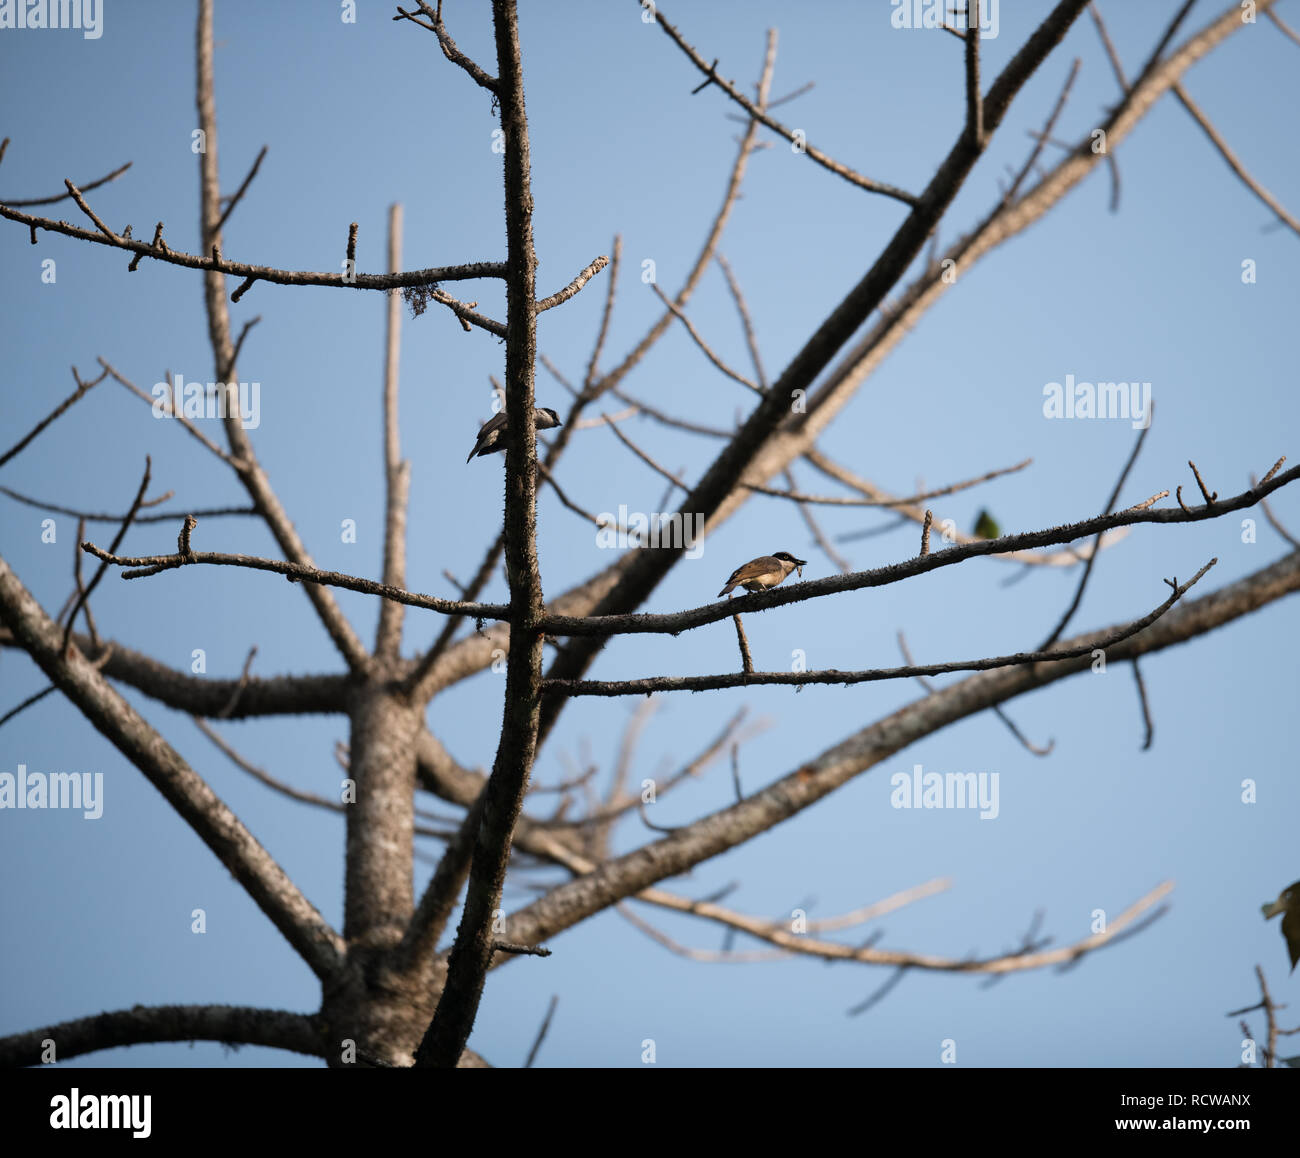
x,y
357,116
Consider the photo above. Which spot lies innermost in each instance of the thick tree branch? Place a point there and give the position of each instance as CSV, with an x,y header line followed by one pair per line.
x,y
146,566
378,894
814,779
439,899
448,45
146,1024
357,281
643,572
675,622
472,954
998,965
748,677
420,683
800,432
252,477
260,696
563,295
326,803
397,474
974,99
557,622
255,869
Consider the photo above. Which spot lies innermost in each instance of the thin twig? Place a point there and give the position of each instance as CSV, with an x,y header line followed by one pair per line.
x,y
541,1033
562,296
815,530
606,314
757,113
27,203
1291,33
79,587
233,702
27,703
520,950
1234,163
83,388
1268,511
238,195
1146,707
928,684
644,686
705,348
103,567
675,622
172,409
645,458
911,500
1092,557
90,517
746,321
159,251
1200,482
746,660
449,49
299,794
866,954
89,212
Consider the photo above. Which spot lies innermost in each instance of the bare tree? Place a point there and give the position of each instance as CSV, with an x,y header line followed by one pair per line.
x,y
389,992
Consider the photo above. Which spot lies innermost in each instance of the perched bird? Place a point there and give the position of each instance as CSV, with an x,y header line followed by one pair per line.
x,y
764,572
1288,904
986,526
492,434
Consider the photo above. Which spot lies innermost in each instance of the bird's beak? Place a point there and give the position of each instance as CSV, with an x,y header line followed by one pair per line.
x,y
1273,909
799,565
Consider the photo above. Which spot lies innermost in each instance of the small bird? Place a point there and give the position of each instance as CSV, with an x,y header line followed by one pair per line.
x,y
764,572
1288,904
492,434
986,526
